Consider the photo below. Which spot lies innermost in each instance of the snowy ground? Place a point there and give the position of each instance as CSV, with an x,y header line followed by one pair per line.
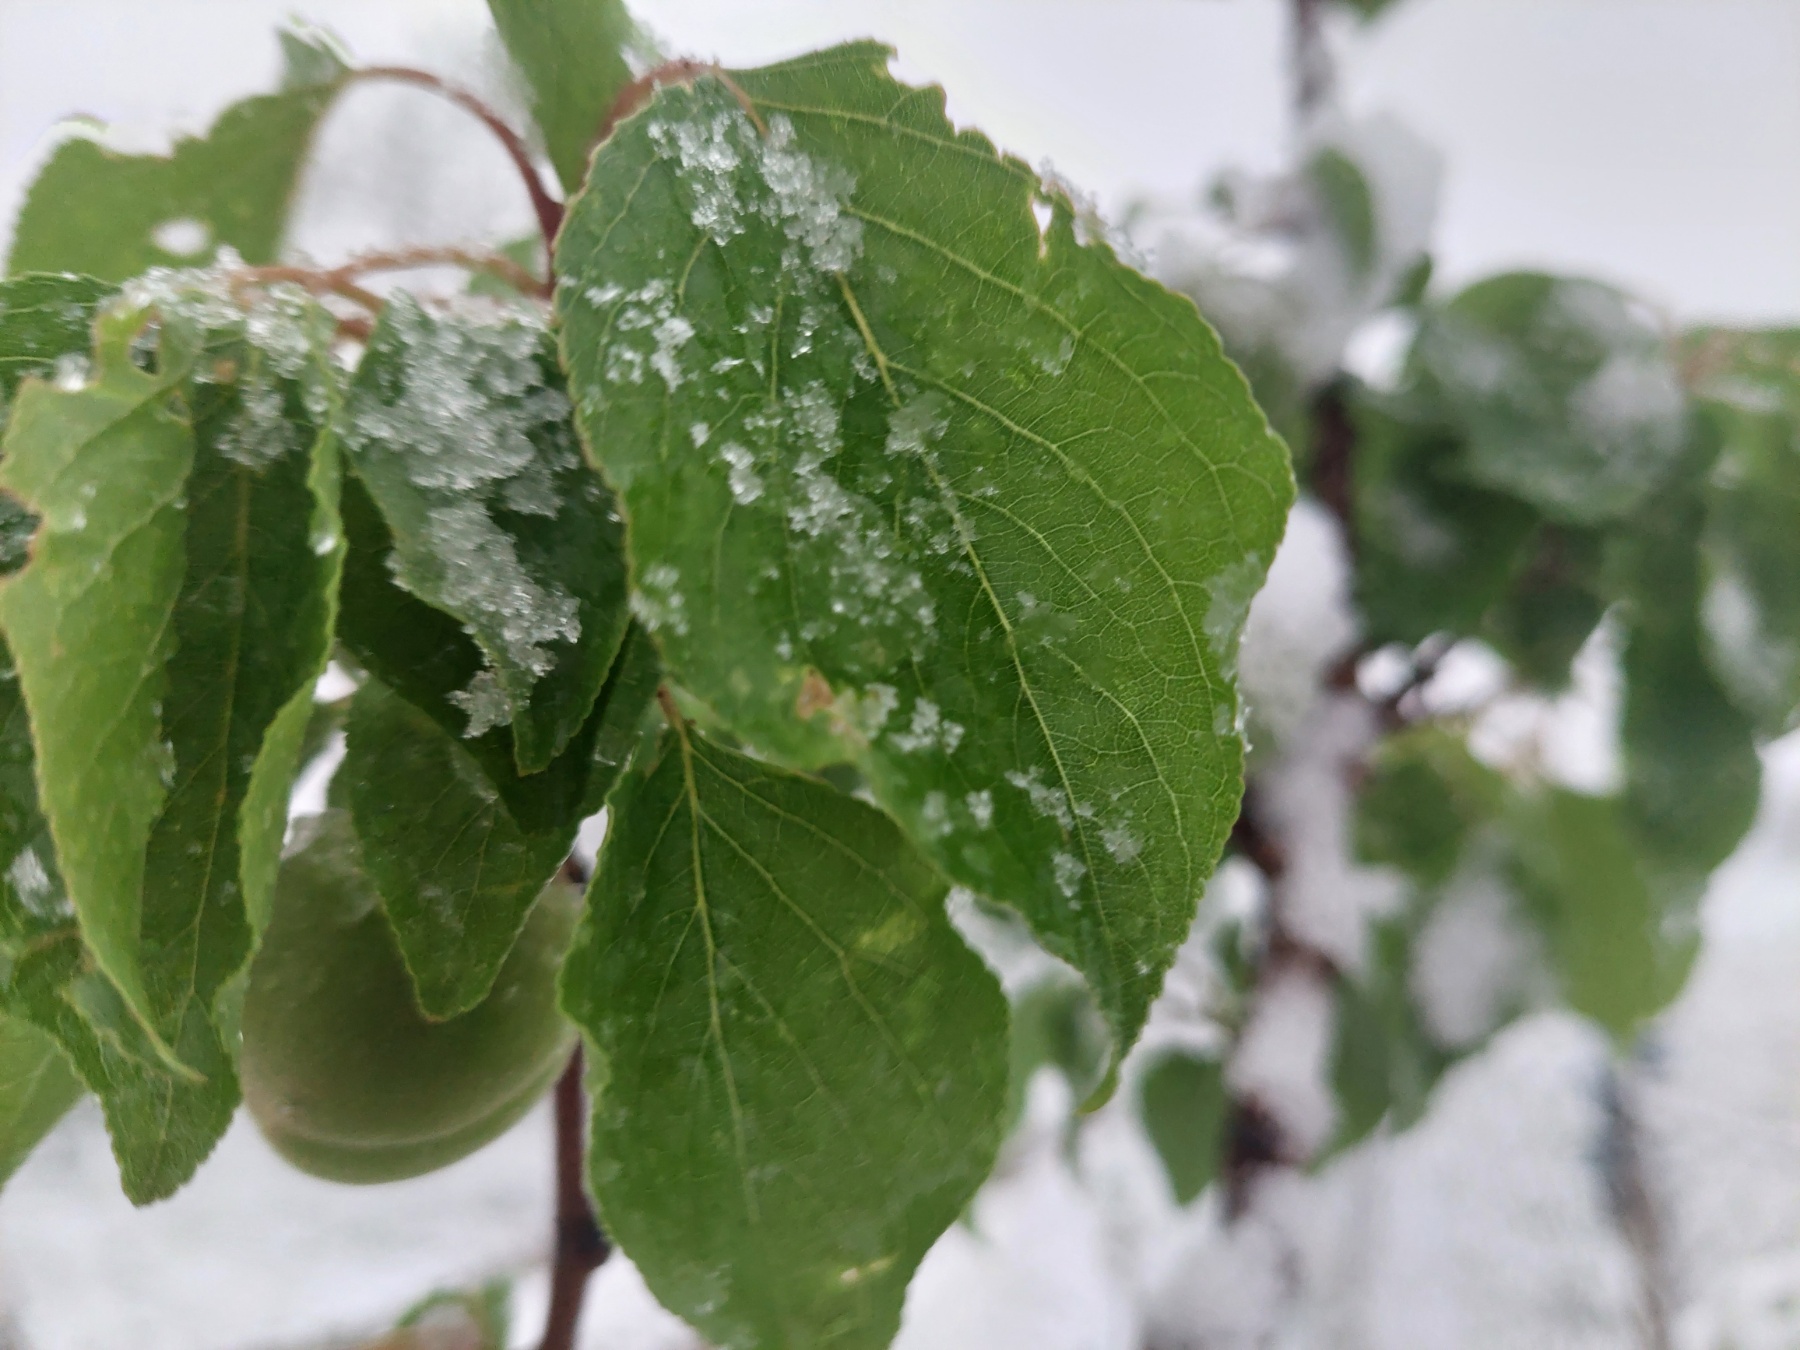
x,y
1483,1228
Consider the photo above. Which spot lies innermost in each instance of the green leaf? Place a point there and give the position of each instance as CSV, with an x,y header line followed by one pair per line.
x,y
310,54
1184,1105
619,716
572,54
485,1311
1433,551
1749,384
1551,607
104,468
1350,205
460,431
1414,284
1620,950
527,251
1692,774
915,486
456,873
298,730
799,1071
114,216
1693,777
1384,1061
226,658
43,320
162,1123
252,631
1564,392
1422,799
1055,1024
37,1088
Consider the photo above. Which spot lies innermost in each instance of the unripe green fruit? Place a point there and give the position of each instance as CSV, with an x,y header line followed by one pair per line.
x,y
347,1078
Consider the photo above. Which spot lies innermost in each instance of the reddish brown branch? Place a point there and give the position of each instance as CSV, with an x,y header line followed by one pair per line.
x,y
342,279
581,1248
1255,844
1334,461
319,282
448,255
549,210
1256,1140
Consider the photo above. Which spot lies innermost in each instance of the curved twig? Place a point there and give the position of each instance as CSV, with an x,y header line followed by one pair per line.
x,y
470,260
342,279
581,1246
549,210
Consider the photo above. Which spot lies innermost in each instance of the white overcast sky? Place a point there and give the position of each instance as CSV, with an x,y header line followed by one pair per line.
x,y
1655,142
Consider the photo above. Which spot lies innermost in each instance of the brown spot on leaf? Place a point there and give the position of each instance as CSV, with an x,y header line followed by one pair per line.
x,y
815,696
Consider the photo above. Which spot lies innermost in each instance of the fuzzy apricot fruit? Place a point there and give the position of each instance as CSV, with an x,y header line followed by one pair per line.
x,y
346,1077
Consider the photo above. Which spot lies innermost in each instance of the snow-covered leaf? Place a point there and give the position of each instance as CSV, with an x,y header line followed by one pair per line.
x,y
459,428
919,480
1564,391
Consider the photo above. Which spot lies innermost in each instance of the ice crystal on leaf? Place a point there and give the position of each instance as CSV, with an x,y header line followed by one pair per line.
x,y
458,424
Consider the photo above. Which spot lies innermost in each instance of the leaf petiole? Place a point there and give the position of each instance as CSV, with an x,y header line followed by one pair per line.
x,y
548,209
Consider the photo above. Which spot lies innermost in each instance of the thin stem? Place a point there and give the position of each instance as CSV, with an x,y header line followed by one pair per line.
x,y
470,260
1633,1202
1256,1140
581,1248
549,210
341,280
328,282
1310,59
1333,477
